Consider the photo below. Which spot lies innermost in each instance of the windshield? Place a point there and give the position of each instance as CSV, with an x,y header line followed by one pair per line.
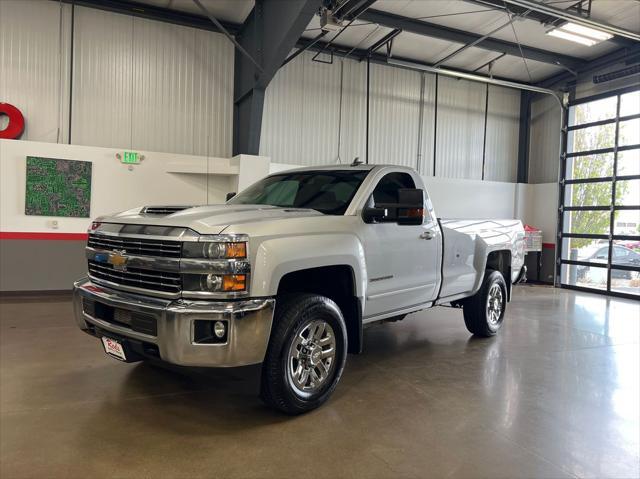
x,y
329,192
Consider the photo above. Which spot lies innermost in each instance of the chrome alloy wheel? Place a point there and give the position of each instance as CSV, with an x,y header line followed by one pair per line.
x,y
495,304
311,357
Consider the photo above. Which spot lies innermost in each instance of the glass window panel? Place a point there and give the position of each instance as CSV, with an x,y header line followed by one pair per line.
x,y
590,166
587,222
630,103
625,281
629,162
594,111
627,222
584,276
584,249
629,132
592,138
626,253
628,192
588,194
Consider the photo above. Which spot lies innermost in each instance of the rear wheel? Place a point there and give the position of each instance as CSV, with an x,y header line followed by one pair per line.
x,y
306,353
484,312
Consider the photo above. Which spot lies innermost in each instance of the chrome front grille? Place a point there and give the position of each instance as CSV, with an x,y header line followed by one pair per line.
x,y
146,279
136,246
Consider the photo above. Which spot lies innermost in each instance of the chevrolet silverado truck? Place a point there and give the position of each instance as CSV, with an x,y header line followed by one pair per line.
x,y
287,273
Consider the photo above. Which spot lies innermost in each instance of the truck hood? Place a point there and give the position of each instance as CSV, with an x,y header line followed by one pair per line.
x,y
210,219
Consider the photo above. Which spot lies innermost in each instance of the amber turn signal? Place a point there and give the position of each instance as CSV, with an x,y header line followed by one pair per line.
x,y
234,282
414,212
236,250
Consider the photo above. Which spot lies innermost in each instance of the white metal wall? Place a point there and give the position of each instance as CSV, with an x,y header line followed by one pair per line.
x,y
426,153
151,85
302,113
34,65
460,128
136,83
501,150
353,123
315,112
544,147
394,116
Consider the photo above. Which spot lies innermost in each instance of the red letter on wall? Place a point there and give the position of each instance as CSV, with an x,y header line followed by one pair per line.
x,y
16,122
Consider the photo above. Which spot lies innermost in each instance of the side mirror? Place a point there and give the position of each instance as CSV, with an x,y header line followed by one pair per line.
x,y
230,195
374,215
408,211
410,206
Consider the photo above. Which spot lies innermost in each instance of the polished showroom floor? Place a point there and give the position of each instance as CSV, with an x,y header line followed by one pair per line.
x,y
554,395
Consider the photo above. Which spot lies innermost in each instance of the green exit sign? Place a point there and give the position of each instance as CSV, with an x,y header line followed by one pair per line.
x,y
131,158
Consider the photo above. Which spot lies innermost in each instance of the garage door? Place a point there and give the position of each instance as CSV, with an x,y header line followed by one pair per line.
x,y
600,195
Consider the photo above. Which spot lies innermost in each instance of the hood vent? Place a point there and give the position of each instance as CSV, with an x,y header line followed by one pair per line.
x,y
162,210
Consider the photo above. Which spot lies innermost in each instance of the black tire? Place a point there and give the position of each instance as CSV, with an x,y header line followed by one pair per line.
x,y
477,316
293,317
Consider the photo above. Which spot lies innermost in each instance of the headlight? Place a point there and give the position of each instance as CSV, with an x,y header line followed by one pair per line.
x,y
215,249
215,266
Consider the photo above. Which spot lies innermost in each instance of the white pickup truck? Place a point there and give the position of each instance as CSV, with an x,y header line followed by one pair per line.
x,y
288,272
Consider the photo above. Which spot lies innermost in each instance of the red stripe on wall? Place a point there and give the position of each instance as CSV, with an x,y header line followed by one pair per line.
x,y
17,235
549,245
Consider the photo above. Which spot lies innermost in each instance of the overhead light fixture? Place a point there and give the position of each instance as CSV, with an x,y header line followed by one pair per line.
x,y
587,31
579,34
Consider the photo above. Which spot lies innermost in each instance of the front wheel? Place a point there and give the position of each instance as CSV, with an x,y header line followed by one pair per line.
x,y
484,311
306,353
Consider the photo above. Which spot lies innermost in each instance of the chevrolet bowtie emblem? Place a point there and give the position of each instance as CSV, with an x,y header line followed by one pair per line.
x,y
118,260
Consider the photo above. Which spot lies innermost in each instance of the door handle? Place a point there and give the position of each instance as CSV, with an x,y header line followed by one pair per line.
x,y
427,235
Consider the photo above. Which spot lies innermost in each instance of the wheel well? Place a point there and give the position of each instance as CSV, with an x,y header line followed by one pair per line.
x,y
336,283
501,261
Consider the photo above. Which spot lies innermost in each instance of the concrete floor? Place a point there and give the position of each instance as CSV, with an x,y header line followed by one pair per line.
x,y
554,395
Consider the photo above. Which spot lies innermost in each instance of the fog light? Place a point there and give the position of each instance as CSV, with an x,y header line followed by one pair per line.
x,y
210,332
219,329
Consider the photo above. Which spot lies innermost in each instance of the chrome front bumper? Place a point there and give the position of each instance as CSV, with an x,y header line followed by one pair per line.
x,y
248,336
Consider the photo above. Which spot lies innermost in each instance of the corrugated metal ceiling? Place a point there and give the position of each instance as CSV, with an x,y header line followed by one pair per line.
x,y
463,15
227,10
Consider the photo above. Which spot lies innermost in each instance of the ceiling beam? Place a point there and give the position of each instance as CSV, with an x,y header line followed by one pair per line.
x,y
350,9
152,12
378,58
459,36
384,40
574,18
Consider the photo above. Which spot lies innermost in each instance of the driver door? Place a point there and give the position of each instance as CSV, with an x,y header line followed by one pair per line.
x,y
402,260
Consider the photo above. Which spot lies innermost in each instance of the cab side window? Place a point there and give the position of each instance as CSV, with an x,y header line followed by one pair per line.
x,y
387,189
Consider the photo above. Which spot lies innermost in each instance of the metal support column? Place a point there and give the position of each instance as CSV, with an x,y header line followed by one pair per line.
x,y
367,113
524,133
269,33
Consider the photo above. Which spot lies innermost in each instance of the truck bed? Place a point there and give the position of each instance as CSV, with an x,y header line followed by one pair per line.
x,y
466,245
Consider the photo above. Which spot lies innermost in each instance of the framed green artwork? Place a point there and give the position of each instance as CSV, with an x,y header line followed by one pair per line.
x,y
58,187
